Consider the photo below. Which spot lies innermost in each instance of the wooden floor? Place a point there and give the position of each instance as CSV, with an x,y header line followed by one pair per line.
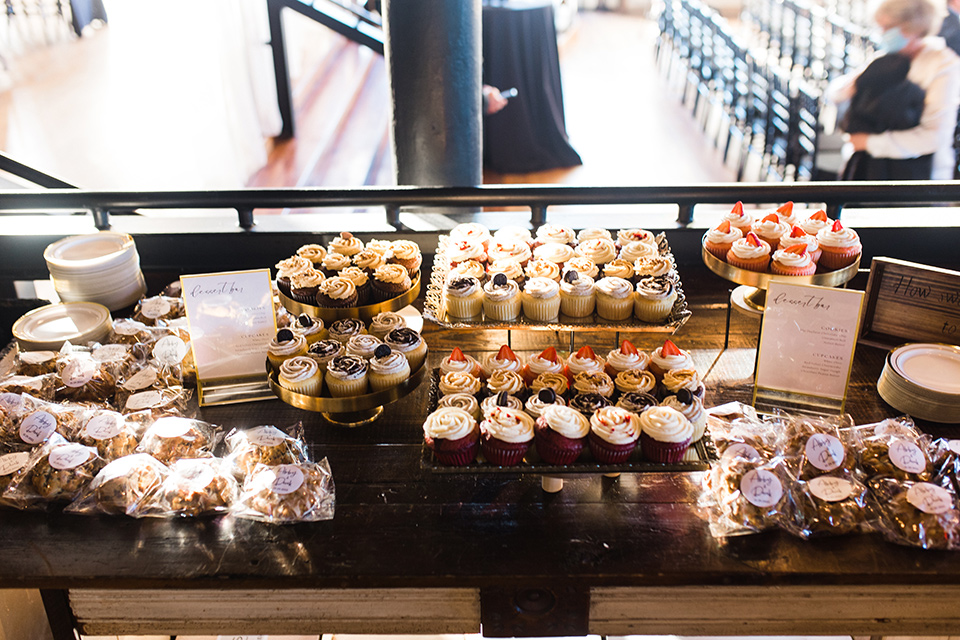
x,y
143,104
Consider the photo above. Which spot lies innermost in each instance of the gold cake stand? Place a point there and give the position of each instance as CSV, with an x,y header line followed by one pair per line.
x,y
365,312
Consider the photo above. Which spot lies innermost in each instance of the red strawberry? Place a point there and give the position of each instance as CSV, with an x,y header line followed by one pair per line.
x,y
798,249
797,232
586,352
737,208
549,354
506,353
837,226
753,239
627,347
669,349
772,218
786,210
457,356
724,227
819,215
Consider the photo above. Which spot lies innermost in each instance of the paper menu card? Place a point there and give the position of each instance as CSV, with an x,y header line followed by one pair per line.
x,y
807,343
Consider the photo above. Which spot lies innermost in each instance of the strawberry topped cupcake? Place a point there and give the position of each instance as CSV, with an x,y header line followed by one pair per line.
x,y
505,358
799,236
624,358
793,261
583,360
668,357
786,214
547,361
750,253
720,239
770,229
737,218
459,361
840,245
816,222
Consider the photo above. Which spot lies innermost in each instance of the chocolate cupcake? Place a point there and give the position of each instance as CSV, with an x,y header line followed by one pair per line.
x,y
334,263
305,285
407,255
390,281
587,403
360,280
337,293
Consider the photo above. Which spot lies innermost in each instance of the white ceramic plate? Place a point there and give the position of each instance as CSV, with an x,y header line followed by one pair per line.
x,y
89,252
932,366
47,328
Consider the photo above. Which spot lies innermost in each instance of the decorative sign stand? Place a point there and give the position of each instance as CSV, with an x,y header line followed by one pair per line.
x,y
231,323
807,341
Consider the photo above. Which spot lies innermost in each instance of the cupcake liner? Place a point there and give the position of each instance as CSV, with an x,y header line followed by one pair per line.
x,y
756,264
779,269
719,251
503,309
382,382
310,387
577,306
653,310
503,454
608,453
664,452
456,453
305,296
614,308
831,259
540,309
346,388
330,303
555,449
467,307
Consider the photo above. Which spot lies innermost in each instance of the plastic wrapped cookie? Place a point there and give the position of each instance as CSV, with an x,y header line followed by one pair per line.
x,y
895,448
288,493
110,433
171,438
918,514
81,378
746,495
10,464
121,486
55,472
35,363
266,445
817,446
150,310
39,420
130,332
194,487
827,506
43,387
170,401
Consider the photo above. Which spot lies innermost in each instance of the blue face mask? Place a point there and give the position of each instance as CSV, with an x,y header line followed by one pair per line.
x,y
893,41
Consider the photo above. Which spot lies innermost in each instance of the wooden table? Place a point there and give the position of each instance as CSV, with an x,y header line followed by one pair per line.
x,y
410,551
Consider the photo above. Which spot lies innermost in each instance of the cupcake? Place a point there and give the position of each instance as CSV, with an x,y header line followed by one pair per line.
x,y
285,345
796,236
509,249
665,435
654,298
554,252
345,328
593,382
613,434
305,285
314,253
786,214
578,295
676,380
505,436
635,381
346,244
334,263
614,298
619,268
769,229
385,322
692,409
388,368
409,343
469,269
793,261
556,382
510,268
337,293
583,267
626,236
514,233
363,345
501,298
592,233
390,281
654,266
504,358
720,239
463,297
359,278
324,351
816,222
587,403
506,381
369,261
626,357
539,401
288,268
630,252
560,434
452,435
547,361
463,401
462,250
598,250
406,254
539,268
737,218
502,399
346,376
459,361
668,357
555,234
541,299
310,328
471,231
750,253
583,360
459,382
637,402
380,246
840,246
301,374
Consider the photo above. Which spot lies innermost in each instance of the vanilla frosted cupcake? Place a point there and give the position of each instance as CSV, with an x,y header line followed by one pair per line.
x,y
769,229
514,233
556,382
363,345
750,252
346,244
668,357
471,231
285,345
501,298
539,268
738,218
599,250
583,266
345,328
462,250
541,299
547,361
385,322
459,382
626,357
537,402
505,436
301,374
407,255
346,376
554,252
452,435
310,328
614,432
508,267
840,246
463,297
719,239
593,382
796,236
555,234
324,351
654,298
614,298
459,361
388,368
665,434
816,222
409,343
504,249
635,381
592,233
578,295
469,269
619,268
630,252
503,399
463,401
654,266
505,359
508,381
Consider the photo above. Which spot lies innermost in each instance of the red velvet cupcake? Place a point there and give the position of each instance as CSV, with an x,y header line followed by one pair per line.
x,y
613,434
560,434
505,436
453,435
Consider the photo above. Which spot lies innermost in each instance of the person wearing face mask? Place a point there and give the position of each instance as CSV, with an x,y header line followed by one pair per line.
x,y
912,68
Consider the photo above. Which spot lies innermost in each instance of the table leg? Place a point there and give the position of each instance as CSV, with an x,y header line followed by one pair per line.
x,y
59,615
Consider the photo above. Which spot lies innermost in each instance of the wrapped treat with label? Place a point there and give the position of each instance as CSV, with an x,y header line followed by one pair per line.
x,y
56,472
43,387
150,310
110,433
814,446
918,514
35,363
895,448
746,495
288,493
150,375
172,401
266,445
39,420
121,486
173,355
82,379
130,332
171,438
945,455
10,464
827,506
194,487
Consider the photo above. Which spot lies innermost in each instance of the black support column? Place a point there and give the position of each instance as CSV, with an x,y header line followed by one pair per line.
x,y
433,55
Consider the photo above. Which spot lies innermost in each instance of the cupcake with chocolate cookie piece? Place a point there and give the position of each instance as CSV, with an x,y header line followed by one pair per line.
x,y
408,342
388,368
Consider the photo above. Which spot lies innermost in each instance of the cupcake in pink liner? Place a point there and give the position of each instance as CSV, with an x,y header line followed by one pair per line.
x,y
750,253
560,434
592,233
505,358
555,234
462,250
599,250
540,268
786,214
840,245
452,435
667,357
554,252
583,360
473,231
547,361
720,239
816,222
626,357
793,261
614,432
770,229
737,218
796,236
665,434
509,249
505,436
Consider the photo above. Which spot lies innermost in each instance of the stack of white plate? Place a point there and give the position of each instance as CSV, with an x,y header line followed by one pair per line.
x,y
923,380
100,267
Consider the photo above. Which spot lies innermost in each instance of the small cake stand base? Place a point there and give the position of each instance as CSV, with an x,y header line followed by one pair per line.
x,y
551,484
749,300
355,418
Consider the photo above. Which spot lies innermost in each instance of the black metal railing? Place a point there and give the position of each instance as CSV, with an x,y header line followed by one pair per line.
x,y
37,177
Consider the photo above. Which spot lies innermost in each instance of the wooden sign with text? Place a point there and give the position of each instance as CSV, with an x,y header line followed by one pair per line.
x,y
908,302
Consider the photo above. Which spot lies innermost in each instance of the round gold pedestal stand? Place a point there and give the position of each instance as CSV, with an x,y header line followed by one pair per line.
x,y
751,296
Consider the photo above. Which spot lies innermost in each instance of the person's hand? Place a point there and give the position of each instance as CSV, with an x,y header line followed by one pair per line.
x,y
859,141
494,100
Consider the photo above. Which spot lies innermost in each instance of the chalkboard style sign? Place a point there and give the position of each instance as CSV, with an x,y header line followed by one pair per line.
x,y
908,302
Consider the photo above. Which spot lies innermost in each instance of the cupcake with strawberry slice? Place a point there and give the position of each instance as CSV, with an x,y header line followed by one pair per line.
x,y
583,360
547,361
840,245
799,236
460,362
786,214
624,358
750,253
667,358
720,239
816,222
504,359
737,218
770,229
793,261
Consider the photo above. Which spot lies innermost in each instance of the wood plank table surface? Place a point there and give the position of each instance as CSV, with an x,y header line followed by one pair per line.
x,y
410,550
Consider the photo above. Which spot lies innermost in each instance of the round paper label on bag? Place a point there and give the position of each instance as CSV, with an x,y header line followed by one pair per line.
x,y
13,462
110,352
890,427
954,445
831,489
287,480
265,436
104,426
761,488
37,427
907,456
79,372
740,450
36,357
171,427
170,350
930,498
69,456
141,379
144,400
128,327
11,401
825,452
154,308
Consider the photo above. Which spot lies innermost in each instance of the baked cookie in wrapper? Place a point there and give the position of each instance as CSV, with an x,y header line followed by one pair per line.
x,y
194,487
265,444
288,493
121,486
171,438
57,471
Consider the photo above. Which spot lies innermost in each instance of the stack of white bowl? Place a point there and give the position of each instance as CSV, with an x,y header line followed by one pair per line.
x,y
100,267
923,380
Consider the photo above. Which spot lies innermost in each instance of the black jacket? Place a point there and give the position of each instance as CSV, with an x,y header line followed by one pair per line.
x,y
884,99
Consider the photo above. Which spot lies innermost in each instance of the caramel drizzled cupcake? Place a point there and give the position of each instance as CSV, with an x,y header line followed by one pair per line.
x,y
506,381
635,381
593,382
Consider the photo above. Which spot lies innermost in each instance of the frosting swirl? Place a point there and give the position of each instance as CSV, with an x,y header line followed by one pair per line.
x,y
405,250
583,266
592,233
356,275
499,292
287,347
655,288
344,328
743,249
538,365
369,260
508,425
346,245
582,286
540,268
393,274
770,228
620,361
813,225
615,425
514,233
587,403
677,379
347,367
490,403
449,423
468,365
463,401
636,401
299,368
551,380
508,267
593,382
490,363
459,382
844,237
565,421
666,363
653,266
618,268
461,250
720,237
787,241
635,380
542,288
469,269
471,231
363,345
323,351
306,279
385,322
666,425
292,266
692,412
614,287
380,246
504,380
338,288
576,363
555,234
600,250
509,248
312,252
626,236
634,250
403,338
390,364
790,259
554,252
334,262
